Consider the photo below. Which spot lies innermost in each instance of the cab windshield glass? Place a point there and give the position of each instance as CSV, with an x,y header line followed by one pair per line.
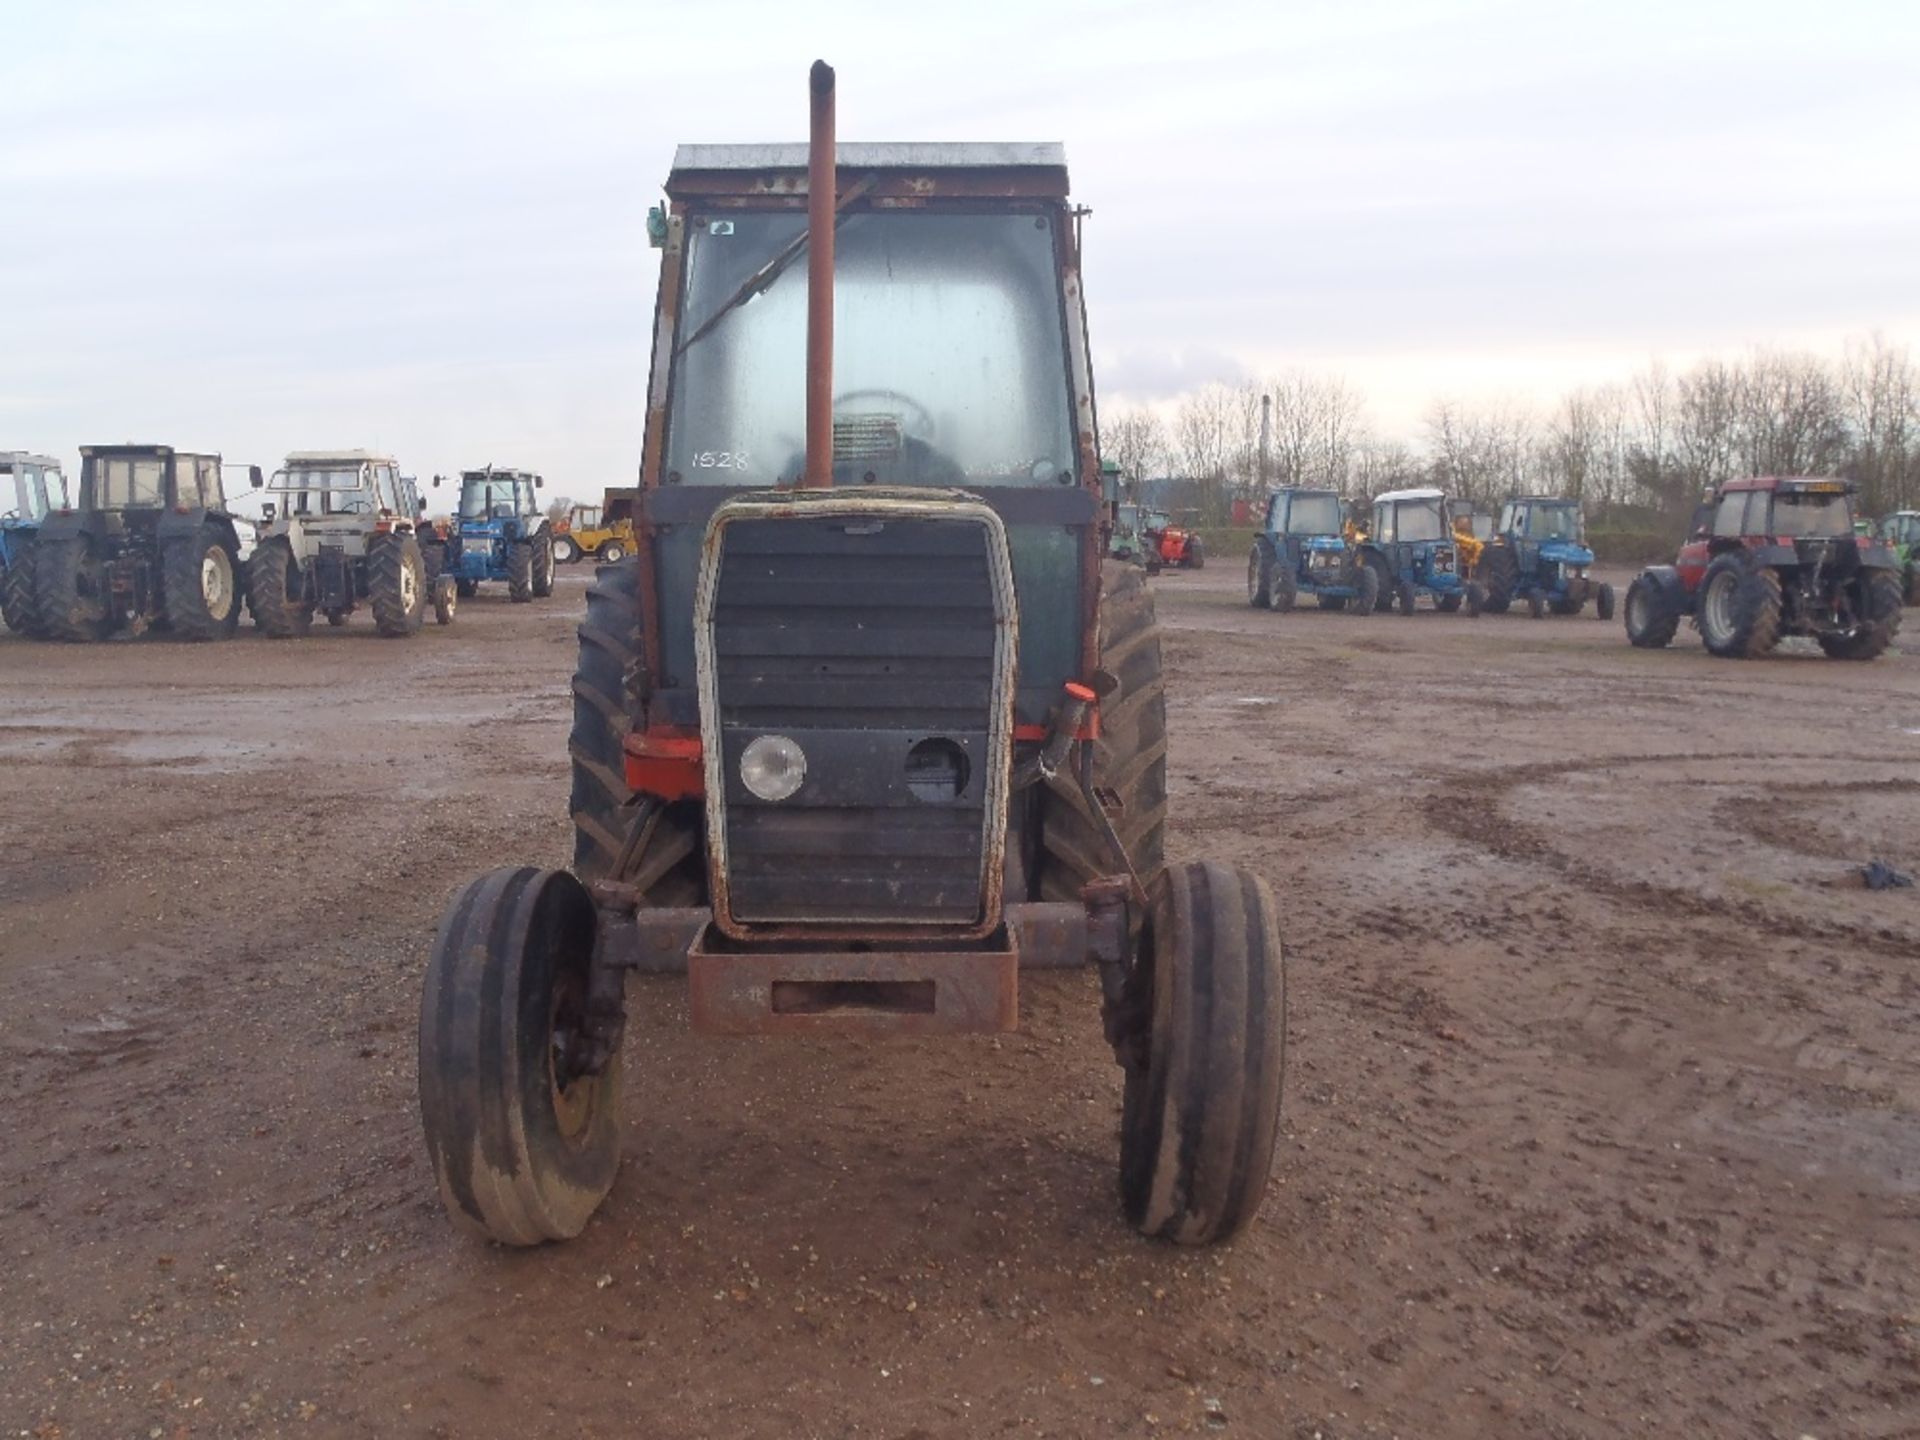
x,y
317,479
1804,514
1418,520
1555,522
1314,515
18,495
122,482
482,498
949,361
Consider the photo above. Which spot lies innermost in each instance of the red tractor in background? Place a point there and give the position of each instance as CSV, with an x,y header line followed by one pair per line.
x,y
1173,545
1769,558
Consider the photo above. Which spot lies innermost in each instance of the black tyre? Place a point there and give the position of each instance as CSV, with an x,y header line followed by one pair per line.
x,y
1739,607
277,591
1201,1108
1447,604
612,553
1366,582
1196,555
542,565
1476,598
1260,576
1879,607
520,572
1499,571
1652,619
1536,605
336,618
16,589
1286,587
1404,595
466,589
653,847
565,552
1383,587
1603,602
433,558
524,1150
396,585
1129,758
446,600
200,586
69,592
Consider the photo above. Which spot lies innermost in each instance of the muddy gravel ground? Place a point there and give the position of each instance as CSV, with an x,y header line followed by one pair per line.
x,y
1603,1112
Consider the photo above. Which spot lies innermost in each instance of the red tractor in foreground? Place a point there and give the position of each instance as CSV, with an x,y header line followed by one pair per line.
x,y
1773,557
866,727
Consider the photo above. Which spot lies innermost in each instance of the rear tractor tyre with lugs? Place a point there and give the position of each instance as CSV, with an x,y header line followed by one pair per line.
x,y
1129,757
651,847
524,1148
1207,1005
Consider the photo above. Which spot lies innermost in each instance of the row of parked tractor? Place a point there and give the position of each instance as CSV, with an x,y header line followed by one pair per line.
x,y
1767,558
149,541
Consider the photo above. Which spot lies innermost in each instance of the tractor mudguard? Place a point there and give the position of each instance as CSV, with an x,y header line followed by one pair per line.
x,y
1671,585
71,525
1876,555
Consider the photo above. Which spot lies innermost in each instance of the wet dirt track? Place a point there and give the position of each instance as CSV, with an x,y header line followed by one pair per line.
x,y
1603,1111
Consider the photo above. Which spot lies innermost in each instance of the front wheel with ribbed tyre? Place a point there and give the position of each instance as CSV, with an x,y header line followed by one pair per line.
x,y
1205,1009
1878,615
525,1141
1129,758
1499,572
396,585
542,577
520,571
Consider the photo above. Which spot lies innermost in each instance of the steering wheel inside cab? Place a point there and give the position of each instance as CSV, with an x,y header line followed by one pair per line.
x,y
885,437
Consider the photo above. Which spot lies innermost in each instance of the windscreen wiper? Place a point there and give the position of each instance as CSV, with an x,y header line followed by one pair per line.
x,y
763,278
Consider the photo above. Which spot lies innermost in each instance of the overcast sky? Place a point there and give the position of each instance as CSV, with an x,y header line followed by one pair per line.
x,y
257,227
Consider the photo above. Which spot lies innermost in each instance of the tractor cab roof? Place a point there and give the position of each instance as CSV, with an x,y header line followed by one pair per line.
x,y
153,452
10,458
497,472
1394,497
1008,170
1816,484
1542,500
1307,490
318,459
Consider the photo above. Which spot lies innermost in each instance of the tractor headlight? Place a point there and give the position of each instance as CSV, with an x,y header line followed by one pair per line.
x,y
772,767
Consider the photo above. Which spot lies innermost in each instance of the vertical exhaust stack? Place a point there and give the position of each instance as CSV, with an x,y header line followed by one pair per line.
x,y
822,192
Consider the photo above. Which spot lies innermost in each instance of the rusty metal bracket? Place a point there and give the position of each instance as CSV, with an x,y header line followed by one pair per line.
x,y
1110,926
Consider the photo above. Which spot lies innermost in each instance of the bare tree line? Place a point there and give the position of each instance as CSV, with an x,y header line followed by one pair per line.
x,y
1647,447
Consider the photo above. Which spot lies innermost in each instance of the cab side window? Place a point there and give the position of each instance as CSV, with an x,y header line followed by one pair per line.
x,y
1383,523
385,490
1729,515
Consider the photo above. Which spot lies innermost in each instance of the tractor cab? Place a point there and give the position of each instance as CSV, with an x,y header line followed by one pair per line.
x,y
30,486
487,495
317,484
136,482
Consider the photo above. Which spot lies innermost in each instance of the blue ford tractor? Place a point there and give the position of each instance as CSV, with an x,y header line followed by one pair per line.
x,y
1412,551
500,533
30,485
1302,550
1539,557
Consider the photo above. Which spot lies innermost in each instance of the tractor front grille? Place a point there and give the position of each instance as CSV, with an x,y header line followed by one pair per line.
x,y
877,637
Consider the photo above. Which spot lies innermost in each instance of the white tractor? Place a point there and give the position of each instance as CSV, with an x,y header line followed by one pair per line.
x,y
341,527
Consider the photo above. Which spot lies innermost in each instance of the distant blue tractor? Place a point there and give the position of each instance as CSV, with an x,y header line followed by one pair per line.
x,y
1302,549
30,485
1539,557
499,533
1412,551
